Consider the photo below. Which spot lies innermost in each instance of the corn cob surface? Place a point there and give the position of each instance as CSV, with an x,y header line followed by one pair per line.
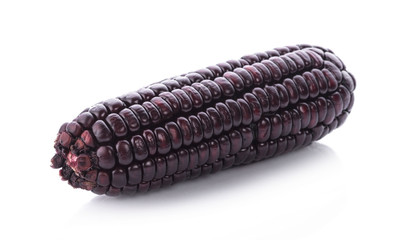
x,y
225,115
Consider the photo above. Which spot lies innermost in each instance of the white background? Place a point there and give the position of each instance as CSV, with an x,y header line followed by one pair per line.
x,y
59,57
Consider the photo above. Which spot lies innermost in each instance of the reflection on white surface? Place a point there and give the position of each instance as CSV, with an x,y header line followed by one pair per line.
x,y
268,195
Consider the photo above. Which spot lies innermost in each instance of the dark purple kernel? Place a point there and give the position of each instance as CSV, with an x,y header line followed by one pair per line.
x,y
184,159
119,178
114,105
235,111
263,99
195,77
206,124
266,73
296,122
204,91
163,107
247,136
245,111
334,70
321,81
338,103
251,58
148,170
292,90
131,98
281,146
304,111
235,64
117,125
245,76
134,174
275,53
74,128
314,115
312,84
226,87
241,156
345,95
155,184
264,129
290,143
254,106
335,60
194,95
203,153
193,153
216,70
292,48
153,112
228,161
302,87
290,63
348,81
321,104
101,132
139,148
281,65
85,119
225,115
160,166
186,130
141,114
277,126
175,135
256,74
106,158
146,93
124,152
317,61
197,128
300,65
274,98
283,95
235,80
306,59
172,101
236,141
143,187
224,144
225,67
274,69
330,113
184,100
99,111
130,119
176,83
331,80
287,123
214,151
216,120
163,141
262,149
151,141
103,179
213,88
272,148
262,55
171,163
205,73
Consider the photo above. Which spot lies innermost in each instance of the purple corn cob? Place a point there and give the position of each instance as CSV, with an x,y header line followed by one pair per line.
x,y
232,113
